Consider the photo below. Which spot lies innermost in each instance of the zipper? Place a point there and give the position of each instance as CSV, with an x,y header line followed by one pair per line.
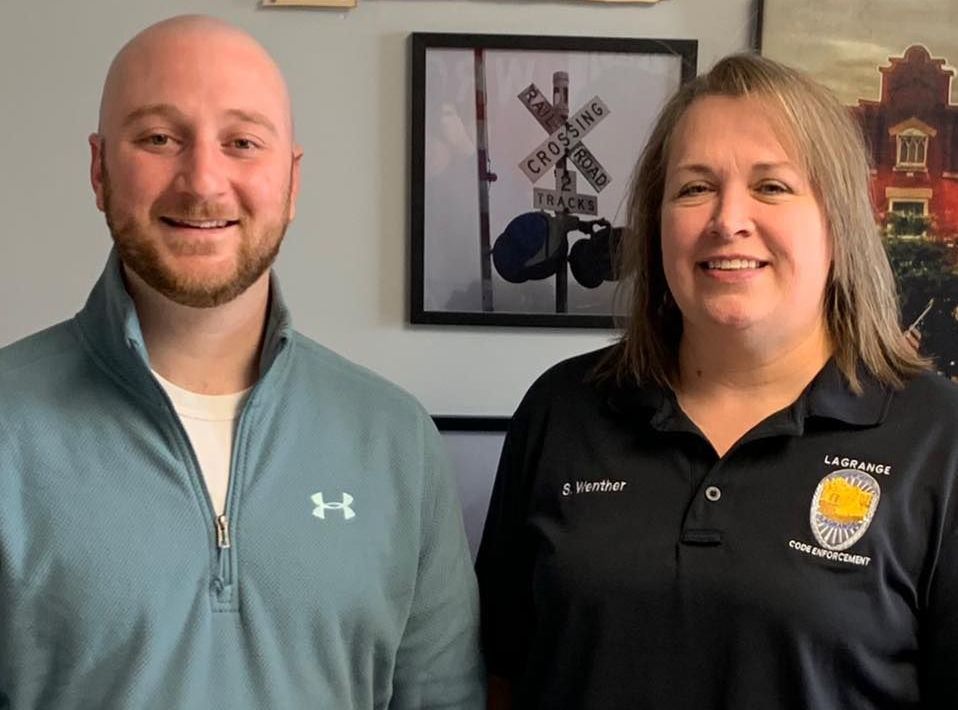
x,y
223,555
224,583
222,532
222,580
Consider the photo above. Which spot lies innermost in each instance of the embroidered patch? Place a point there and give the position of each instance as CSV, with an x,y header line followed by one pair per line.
x,y
344,506
843,507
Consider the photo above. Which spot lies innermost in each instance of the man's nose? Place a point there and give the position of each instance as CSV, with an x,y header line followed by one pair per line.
x,y
733,213
203,170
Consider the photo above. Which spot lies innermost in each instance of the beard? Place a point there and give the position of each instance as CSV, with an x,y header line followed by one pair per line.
x,y
139,251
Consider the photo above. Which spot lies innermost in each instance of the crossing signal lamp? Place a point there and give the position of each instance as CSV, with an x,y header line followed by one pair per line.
x,y
535,245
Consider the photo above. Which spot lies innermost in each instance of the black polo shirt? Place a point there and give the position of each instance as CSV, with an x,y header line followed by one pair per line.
x,y
815,565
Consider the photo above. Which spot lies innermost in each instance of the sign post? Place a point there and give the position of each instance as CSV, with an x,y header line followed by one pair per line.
x,y
485,177
564,143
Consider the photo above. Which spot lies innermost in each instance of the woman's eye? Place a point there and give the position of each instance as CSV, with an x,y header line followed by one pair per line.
x,y
773,188
693,190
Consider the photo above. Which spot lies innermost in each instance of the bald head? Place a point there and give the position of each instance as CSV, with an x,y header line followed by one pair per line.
x,y
194,163
189,46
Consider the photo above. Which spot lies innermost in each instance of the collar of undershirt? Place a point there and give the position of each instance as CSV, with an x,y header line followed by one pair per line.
x,y
207,407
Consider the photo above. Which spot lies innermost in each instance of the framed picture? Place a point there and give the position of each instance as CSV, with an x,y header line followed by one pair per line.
x,y
896,74
522,150
473,445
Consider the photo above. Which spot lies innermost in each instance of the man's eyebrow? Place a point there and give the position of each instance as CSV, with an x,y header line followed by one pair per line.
x,y
170,111
253,117
162,110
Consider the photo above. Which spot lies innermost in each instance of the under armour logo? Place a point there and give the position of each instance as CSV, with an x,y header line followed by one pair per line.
x,y
322,506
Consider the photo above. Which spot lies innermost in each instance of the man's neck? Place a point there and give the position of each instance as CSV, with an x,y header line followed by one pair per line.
x,y
204,350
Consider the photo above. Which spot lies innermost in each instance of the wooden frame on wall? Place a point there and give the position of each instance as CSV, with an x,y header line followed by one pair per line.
x,y
308,3
534,138
352,3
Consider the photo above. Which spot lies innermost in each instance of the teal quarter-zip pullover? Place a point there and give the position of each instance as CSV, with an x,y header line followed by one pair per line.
x,y
338,578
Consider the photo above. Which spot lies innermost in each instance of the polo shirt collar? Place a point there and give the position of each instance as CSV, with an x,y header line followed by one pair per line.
x,y
828,396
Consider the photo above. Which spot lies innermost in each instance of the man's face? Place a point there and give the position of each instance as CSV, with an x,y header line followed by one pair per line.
x,y
194,164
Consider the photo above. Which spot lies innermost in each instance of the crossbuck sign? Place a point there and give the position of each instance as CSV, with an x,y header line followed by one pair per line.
x,y
564,141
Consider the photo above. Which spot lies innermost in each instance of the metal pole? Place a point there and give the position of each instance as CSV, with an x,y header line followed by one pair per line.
x,y
560,101
485,177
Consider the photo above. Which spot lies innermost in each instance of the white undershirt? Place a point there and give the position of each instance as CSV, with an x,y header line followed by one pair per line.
x,y
209,420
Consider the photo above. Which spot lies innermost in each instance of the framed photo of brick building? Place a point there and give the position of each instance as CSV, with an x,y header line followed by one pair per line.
x,y
896,73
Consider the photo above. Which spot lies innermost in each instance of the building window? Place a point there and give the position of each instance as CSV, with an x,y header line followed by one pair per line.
x,y
908,218
912,149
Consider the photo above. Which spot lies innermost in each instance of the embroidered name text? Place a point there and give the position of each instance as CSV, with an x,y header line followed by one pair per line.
x,y
603,486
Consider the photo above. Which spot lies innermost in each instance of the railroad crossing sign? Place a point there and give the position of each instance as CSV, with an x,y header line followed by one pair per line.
x,y
564,141
564,198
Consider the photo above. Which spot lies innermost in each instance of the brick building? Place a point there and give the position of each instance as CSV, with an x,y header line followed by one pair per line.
x,y
912,132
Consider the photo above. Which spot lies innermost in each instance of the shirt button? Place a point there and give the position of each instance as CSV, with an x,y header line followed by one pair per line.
x,y
713,493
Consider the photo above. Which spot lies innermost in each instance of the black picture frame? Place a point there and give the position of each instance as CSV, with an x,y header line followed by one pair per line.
x,y
474,169
473,445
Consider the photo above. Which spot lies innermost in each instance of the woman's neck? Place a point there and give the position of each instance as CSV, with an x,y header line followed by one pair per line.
x,y
727,387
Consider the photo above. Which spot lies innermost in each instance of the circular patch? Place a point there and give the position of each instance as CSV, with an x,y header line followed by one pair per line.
x,y
842,508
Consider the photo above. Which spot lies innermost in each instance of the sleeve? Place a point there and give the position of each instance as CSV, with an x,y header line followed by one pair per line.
x,y
438,664
6,606
505,559
940,638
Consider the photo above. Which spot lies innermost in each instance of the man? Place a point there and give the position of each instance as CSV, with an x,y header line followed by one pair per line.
x,y
199,507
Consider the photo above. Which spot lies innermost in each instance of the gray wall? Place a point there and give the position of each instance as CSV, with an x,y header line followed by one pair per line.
x,y
344,264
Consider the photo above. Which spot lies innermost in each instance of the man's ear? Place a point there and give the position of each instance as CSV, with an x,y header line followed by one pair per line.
x,y
97,146
294,180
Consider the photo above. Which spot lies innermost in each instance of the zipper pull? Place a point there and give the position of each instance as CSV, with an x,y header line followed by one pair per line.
x,y
222,532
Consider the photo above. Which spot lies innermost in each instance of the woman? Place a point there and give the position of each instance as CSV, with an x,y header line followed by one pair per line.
x,y
750,501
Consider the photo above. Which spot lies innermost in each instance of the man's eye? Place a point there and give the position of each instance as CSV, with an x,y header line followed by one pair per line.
x,y
242,144
158,139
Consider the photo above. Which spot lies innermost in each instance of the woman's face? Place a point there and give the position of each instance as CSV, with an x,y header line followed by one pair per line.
x,y
744,240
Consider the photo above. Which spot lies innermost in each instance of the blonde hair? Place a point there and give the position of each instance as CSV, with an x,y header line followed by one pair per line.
x,y
861,300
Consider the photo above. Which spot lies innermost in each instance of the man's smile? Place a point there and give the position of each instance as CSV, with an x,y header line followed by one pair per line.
x,y
198,223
